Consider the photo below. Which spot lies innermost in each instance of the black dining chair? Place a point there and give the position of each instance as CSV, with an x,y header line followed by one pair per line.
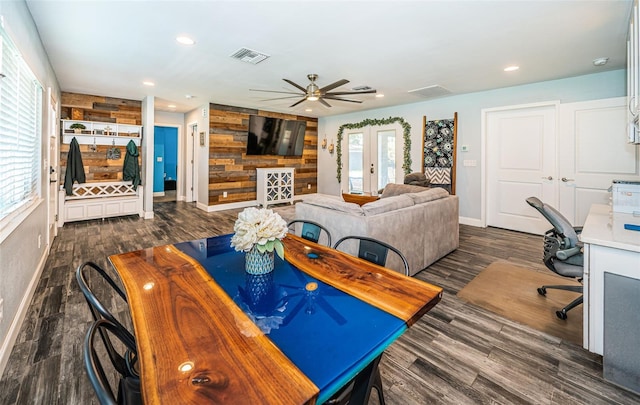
x,y
125,364
374,250
128,389
310,230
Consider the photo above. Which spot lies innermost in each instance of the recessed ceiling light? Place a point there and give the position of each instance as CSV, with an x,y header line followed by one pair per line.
x,y
600,61
511,68
148,83
308,110
184,40
171,106
188,96
379,95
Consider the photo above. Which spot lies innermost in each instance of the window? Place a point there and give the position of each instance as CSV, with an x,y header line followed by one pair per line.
x,y
20,132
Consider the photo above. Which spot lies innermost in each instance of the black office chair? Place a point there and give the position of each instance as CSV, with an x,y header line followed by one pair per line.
x,y
562,252
374,251
125,364
310,230
128,390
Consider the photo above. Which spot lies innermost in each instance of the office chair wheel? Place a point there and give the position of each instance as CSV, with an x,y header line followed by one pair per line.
x,y
562,314
542,291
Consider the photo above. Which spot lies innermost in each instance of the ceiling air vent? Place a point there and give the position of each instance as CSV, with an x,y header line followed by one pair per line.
x,y
249,55
430,91
362,88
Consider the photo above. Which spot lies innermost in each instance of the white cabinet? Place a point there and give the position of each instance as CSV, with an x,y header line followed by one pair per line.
x,y
100,133
633,76
274,185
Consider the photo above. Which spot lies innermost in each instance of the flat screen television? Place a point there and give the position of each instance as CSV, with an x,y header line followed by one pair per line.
x,y
275,136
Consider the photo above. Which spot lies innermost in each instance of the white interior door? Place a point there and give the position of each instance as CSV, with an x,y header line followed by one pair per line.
x,y
52,168
592,153
190,183
374,156
520,162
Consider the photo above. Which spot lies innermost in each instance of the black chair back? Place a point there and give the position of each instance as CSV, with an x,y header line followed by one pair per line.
x,y
374,251
311,230
123,363
128,390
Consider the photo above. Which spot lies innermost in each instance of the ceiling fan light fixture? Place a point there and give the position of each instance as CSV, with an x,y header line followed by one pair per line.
x,y
312,98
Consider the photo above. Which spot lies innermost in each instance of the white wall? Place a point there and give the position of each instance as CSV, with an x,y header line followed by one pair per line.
x,y
21,260
468,106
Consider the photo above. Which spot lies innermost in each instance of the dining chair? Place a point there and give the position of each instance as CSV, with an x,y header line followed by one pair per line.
x,y
125,363
310,230
128,389
374,250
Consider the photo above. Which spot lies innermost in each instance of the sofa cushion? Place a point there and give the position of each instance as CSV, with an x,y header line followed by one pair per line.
x,y
387,204
393,189
334,203
427,195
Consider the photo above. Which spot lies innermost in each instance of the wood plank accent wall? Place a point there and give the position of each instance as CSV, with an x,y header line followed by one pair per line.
x,y
85,107
231,170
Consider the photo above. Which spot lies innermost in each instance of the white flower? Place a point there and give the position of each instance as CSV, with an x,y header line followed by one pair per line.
x,y
262,228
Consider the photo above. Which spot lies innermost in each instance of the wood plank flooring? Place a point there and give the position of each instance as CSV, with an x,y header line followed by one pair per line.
x,y
456,354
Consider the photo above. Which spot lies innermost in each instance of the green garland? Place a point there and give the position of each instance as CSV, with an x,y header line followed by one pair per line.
x,y
406,165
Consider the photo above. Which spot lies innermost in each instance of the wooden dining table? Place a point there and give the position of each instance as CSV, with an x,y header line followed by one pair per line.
x,y
208,332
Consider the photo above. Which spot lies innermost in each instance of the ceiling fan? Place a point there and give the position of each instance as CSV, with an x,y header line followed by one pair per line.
x,y
312,92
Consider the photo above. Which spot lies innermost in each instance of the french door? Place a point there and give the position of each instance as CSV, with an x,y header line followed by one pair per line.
x,y
374,158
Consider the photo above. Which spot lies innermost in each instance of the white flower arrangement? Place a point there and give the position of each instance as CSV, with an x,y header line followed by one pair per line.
x,y
261,228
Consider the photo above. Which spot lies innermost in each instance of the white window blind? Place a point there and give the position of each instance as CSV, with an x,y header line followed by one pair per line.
x,y
20,130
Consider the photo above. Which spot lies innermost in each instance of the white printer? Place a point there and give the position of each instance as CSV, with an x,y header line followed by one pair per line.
x,y
625,196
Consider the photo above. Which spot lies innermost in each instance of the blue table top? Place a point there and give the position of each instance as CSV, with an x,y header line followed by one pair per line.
x,y
329,335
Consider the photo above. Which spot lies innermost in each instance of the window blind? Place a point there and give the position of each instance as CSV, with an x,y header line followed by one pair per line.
x,y
20,130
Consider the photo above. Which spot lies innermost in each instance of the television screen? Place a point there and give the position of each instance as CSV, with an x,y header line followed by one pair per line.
x,y
275,136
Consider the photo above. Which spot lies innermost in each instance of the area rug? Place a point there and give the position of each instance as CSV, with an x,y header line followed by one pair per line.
x,y
511,291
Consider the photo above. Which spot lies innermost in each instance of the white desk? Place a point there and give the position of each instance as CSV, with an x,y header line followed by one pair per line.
x,y
610,248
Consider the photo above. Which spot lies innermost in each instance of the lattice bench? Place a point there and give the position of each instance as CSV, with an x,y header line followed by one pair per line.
x,y
99,200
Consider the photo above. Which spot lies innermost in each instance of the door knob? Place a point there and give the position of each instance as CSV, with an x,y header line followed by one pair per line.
x,y
547,178
566,179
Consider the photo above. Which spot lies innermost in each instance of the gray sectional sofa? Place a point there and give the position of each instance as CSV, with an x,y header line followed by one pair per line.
x,y
420,222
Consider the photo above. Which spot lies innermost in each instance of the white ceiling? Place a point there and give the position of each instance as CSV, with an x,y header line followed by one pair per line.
x,y
110,47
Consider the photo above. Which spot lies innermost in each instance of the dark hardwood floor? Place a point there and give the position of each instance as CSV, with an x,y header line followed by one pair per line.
x,y
456,354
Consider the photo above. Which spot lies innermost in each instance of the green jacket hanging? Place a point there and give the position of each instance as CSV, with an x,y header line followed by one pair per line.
x,y
131,167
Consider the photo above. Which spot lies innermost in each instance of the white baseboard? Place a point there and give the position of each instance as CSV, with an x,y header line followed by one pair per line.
x,y
16,324
471,221
158,194
148,215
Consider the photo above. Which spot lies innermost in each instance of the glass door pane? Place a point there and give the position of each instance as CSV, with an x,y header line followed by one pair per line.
x,y
356,163
386,159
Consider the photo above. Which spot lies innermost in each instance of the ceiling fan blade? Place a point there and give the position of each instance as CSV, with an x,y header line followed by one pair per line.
x,y
321,100
334,85
296,103
274,91
342,99
280,98
296,85
342,93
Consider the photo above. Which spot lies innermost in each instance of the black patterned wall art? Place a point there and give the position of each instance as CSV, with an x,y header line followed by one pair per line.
x,y
439,152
